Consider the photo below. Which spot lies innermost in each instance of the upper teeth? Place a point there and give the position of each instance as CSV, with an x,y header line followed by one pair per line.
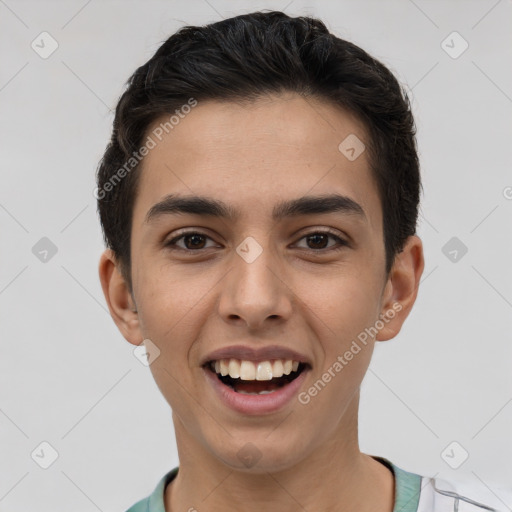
x,y
249,370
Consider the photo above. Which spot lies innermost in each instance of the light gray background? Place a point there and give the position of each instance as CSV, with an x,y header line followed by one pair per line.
x,y
68,377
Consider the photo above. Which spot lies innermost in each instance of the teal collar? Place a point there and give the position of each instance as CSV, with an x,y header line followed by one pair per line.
x,y
407,487
407,490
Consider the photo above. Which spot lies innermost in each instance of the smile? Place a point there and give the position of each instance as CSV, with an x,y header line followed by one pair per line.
x,y
256,378
255,387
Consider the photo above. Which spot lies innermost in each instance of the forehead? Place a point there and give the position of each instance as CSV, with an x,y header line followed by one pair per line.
x,y
253,156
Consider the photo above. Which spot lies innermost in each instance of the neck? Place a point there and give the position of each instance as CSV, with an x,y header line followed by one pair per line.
x,y
335,476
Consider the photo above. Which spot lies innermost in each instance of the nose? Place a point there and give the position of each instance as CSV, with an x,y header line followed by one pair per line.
x,y
255,291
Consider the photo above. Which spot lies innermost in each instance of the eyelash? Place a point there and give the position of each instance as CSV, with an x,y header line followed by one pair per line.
x,y
341,242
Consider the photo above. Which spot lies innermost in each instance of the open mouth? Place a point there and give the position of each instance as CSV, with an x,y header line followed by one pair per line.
x,y
256,378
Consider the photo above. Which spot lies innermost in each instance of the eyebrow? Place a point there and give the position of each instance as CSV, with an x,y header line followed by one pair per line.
x,y
209,207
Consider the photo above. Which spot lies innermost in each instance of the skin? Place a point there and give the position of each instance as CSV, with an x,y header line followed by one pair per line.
x,y
252,157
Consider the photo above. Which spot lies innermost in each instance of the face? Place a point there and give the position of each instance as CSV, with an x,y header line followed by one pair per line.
x,y
256,280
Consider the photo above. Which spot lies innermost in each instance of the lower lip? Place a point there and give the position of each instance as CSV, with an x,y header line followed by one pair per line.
x,y
256,404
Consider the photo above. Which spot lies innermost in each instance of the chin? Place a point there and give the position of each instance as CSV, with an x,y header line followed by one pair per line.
x,y
262,456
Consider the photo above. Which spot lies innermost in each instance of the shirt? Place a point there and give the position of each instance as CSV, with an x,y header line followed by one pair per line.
x,y
413,493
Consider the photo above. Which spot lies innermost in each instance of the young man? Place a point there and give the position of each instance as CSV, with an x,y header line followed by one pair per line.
x,y
259,200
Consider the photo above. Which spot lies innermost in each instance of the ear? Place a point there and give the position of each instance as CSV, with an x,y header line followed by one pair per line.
x,y
119,298
401,288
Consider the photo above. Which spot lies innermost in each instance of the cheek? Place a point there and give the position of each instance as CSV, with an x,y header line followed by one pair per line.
x,y
345,304
168,316
173,308
341,309
165,298
162,309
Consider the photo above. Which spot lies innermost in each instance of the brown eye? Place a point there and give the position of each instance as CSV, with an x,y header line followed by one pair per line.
x,y
318,241
196,241
193,241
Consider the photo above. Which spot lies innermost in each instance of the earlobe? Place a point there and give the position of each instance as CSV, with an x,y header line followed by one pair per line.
x,y
119,298
401,288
